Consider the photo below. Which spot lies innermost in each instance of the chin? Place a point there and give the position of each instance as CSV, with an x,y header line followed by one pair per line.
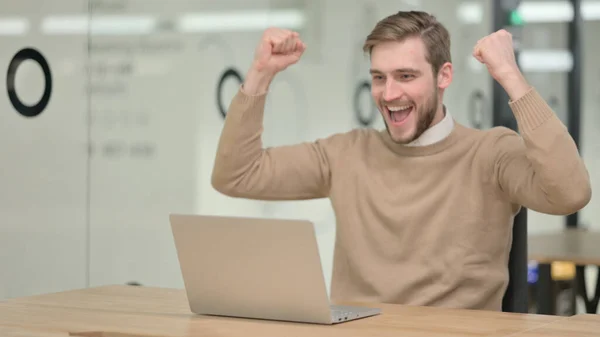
x,y
401,137
402,140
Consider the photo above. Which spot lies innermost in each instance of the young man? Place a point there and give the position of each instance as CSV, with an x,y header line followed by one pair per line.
x,y
424,209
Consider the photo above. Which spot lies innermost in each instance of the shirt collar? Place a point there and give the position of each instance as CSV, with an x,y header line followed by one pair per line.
x,y
435,133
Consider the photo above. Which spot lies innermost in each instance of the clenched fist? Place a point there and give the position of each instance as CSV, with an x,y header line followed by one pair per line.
x,y
496,52
277,50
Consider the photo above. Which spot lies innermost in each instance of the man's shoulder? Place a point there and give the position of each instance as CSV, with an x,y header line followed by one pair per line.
x,y
492,143
350,138
487,136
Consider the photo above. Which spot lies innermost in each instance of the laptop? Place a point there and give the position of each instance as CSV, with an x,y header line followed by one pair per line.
x,y
255,268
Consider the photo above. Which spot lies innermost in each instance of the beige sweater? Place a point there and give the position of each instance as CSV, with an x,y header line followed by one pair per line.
x,y
428,225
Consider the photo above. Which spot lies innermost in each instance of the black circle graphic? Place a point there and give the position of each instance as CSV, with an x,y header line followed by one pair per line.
x,y
477,114
229,72
24,55
364,121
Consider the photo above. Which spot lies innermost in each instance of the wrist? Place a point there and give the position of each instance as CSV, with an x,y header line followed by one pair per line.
x,y
514,83
257,81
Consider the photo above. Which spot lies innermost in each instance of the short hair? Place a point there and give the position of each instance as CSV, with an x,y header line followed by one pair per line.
x,y
405,24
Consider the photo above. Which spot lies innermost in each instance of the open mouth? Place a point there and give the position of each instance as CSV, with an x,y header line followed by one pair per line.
x,y
399,114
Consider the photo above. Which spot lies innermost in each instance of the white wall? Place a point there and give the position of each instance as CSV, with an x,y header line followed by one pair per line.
x,y
43,159
154,129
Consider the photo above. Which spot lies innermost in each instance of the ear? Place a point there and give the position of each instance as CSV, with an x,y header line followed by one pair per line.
x,y
445,75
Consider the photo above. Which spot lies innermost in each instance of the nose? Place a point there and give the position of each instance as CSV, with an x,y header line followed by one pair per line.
x,y
392,91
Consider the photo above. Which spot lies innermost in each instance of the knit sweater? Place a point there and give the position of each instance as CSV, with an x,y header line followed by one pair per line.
x,y
428,225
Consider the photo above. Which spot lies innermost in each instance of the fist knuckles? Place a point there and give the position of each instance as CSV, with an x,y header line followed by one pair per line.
x,y
501,36
496,52
278,49
283,41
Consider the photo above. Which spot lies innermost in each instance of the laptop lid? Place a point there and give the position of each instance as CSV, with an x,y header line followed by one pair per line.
x,y
251,267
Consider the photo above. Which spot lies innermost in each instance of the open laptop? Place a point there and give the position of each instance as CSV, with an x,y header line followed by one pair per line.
x,y
255,268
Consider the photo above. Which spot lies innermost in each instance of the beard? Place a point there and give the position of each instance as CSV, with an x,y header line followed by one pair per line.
x,y
425,115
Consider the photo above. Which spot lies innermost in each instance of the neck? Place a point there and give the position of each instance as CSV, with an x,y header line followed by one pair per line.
x,y
440,113
425,150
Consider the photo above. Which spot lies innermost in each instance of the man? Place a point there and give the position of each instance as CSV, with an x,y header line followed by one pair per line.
x,y
424,209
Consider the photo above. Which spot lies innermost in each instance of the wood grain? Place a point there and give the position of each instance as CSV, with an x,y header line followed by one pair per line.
x,y
124,311
579,325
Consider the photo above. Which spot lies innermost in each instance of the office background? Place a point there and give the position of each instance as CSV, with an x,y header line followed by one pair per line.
x,y
133,116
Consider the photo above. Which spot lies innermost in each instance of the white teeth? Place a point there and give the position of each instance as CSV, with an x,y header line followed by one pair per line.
x,y
398,108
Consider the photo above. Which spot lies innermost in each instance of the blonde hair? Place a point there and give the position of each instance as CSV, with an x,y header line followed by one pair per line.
x,y
402,25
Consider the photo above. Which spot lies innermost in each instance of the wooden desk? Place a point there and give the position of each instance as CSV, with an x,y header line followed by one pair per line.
x,y
16,331
578,246
587,325
124,311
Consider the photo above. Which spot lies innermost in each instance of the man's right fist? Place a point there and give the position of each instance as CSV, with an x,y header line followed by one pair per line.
x,y
277,50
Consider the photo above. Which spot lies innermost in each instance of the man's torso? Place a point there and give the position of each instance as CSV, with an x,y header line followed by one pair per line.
x,y
425,230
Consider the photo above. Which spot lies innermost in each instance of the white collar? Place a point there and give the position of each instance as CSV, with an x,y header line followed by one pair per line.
x,y
435,133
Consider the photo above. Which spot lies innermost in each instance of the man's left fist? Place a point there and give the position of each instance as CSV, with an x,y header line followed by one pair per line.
x,y
497,53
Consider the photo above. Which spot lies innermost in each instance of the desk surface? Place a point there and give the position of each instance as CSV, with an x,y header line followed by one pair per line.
x,y
574,245
125,311
586,325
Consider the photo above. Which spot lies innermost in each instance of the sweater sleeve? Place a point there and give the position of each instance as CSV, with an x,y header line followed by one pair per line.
x,y
243,168
541,169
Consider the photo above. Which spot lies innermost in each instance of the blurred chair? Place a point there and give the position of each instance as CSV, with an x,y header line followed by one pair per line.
x,y
516,297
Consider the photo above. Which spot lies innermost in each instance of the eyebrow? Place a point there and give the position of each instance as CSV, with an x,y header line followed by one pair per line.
x,y
400,70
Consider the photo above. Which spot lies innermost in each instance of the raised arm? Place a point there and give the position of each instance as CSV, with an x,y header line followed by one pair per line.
x,y
243,168
540,169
